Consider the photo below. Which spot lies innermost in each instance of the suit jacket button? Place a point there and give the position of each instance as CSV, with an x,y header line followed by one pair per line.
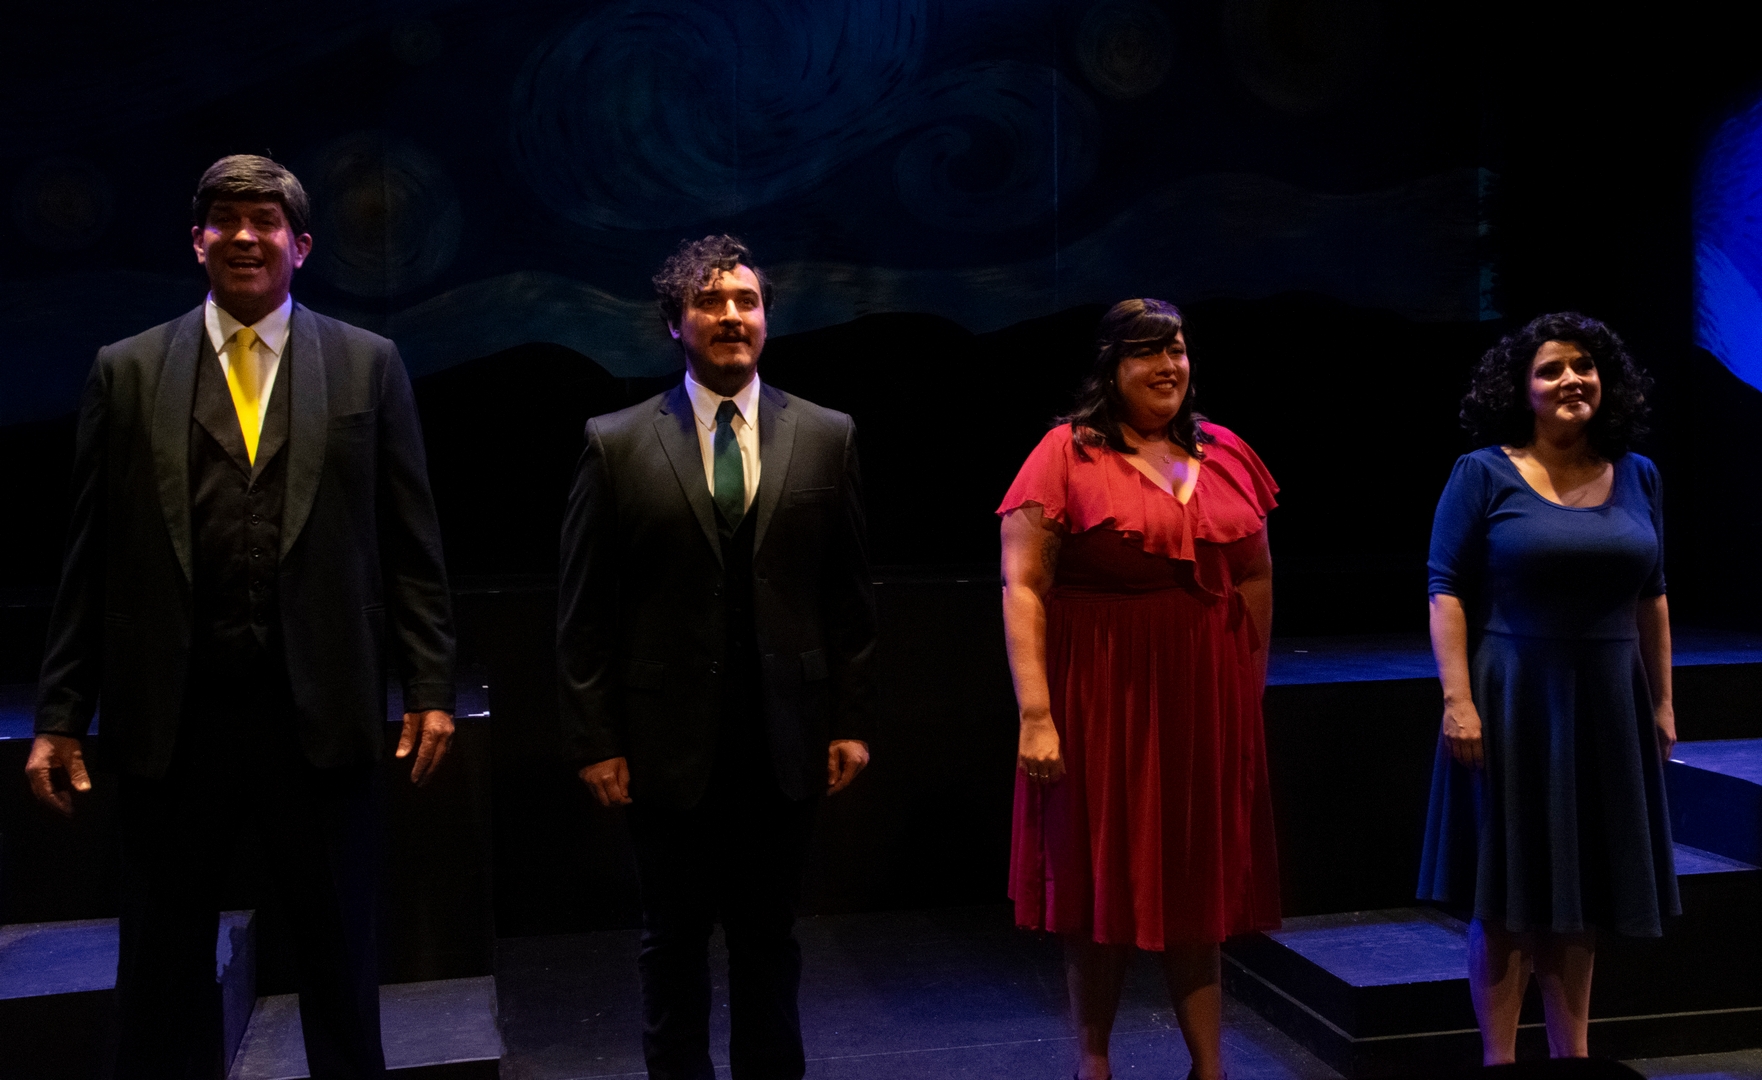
x,y
256,553
715,668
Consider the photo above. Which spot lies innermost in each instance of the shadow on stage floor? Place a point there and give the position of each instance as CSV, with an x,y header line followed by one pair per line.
x,y
921,995
956,992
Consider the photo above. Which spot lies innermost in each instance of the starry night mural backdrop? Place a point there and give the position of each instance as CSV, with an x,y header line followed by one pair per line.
x,y
947,195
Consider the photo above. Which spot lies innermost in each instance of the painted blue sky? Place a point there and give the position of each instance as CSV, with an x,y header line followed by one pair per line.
x,y
486,175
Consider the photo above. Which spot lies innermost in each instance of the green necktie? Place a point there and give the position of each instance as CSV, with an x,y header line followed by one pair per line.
x,y
730,491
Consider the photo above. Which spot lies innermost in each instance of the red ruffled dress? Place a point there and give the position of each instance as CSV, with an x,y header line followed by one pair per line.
x,y
1162,829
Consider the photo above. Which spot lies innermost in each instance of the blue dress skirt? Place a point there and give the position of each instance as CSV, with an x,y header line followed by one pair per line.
x,y
1565,828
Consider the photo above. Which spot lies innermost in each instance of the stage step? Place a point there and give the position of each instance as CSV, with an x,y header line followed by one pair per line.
x,y
1378,991
1716,796
60,977
441,1030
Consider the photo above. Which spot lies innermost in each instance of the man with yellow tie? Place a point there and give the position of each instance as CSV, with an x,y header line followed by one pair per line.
x,y
253,545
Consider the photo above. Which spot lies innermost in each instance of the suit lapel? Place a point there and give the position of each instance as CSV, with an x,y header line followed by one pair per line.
x,y
677,428
776,443
275,421
173,405
302,365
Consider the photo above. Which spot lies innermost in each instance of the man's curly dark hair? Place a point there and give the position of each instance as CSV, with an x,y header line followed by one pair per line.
x,y
1496,409
692,266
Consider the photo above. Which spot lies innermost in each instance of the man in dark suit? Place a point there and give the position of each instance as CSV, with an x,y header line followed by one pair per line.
x,y
716,624
253,543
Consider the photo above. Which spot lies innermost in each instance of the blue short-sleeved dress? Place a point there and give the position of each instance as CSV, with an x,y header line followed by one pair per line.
x,y
1565,828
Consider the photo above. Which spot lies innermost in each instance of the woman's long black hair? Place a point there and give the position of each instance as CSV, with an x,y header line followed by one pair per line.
x,y
1128,327
1496,409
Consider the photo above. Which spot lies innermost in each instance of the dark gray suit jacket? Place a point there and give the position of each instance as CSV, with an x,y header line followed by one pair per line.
x,y
640,636
361,583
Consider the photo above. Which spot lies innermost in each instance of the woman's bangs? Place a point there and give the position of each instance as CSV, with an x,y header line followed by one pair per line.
x,y
1151,330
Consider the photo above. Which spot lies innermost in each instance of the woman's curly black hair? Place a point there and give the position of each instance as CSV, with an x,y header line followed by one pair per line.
x,y
1129,325
1496,409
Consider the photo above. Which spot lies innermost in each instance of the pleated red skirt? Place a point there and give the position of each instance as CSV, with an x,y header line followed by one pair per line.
x,y
1161,830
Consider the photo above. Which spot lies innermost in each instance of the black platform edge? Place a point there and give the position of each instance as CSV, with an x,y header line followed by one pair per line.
x,y
488,1069
1368,1011
37,1045
1547,1068
1658,1035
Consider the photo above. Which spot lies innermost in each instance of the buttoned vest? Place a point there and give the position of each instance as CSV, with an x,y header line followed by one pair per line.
x,y
235,517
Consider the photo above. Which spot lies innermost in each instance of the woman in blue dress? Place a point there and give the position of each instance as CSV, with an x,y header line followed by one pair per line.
x,y
1552,638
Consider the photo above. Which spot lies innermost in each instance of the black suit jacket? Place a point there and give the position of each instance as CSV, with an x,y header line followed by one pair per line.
x,y
360,580
640,634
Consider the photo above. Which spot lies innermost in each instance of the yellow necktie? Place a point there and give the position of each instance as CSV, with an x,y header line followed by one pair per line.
x,y
245,381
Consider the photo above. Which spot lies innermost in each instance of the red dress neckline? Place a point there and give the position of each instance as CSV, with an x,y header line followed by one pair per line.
x,y
1102,490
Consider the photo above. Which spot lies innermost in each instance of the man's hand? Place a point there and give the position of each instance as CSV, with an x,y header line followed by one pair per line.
x,y
427,733
51,754
610,781
844,759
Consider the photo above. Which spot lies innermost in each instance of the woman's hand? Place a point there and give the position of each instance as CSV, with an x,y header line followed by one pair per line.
x,y
1037,751
1462,722
1664,721
1462,731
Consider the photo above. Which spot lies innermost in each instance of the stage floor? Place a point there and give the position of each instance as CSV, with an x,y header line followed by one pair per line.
x,y
910,995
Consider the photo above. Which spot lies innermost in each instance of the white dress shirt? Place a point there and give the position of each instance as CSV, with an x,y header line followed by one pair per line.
x,y
704,403
272,338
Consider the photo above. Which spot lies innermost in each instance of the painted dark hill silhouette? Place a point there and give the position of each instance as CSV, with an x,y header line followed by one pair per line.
x,y
503,434
1354,411
945,417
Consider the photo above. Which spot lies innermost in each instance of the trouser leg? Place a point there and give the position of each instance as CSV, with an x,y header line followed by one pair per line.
x,y
321,830
675,868
173,854
763,853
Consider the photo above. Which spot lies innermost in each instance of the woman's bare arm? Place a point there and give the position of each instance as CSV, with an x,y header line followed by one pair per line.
x,y
1654,617
1462,722
1030,555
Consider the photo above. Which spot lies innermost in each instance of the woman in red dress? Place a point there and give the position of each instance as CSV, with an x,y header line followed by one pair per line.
x,y
1137,604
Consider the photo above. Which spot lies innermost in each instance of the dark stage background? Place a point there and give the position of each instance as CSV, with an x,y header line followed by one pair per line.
x,y
1350,198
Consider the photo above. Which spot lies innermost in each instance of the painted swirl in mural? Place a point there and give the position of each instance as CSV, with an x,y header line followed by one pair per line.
x,y
660,116
1007,140
63,204
1303,57
1125,47
387,217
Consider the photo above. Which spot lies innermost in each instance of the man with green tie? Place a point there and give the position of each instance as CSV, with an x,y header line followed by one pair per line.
x,y
716,625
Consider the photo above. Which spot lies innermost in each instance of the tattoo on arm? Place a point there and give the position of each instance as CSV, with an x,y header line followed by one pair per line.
x,y
1049,547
